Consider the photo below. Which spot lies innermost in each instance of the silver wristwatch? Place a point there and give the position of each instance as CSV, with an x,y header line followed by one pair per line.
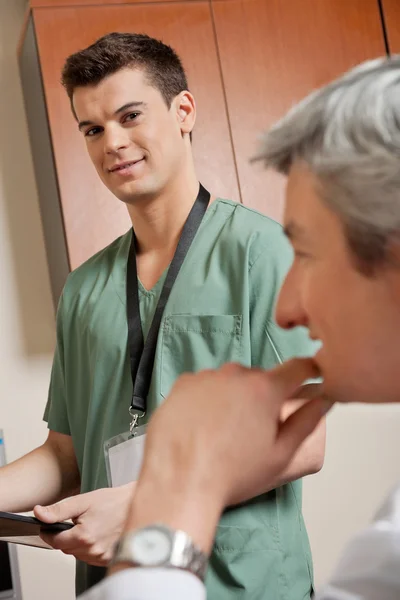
x,y
160,546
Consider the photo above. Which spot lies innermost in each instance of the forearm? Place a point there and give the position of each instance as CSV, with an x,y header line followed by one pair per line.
x,y
195,512
43,476
179,498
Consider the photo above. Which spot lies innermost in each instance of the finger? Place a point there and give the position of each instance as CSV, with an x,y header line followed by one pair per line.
x,y
75,539
70,508
298,426
289,376
308,391
85,554
64,541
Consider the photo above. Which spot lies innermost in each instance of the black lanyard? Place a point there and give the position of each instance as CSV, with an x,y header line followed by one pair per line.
x,y
142,354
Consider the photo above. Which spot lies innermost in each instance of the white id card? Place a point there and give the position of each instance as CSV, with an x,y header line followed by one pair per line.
x,y
124,456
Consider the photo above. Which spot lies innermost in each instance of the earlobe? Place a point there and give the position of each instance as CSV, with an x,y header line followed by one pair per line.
x,y
186,112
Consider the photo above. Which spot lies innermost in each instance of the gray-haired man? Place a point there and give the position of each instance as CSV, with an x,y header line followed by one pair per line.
x,y
340,149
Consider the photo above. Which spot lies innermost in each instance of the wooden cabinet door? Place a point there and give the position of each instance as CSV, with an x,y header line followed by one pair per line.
x,y
53,3
391,16
273,52
92,216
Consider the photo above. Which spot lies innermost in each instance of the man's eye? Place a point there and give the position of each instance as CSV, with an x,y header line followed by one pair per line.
x,y
92,131
131,116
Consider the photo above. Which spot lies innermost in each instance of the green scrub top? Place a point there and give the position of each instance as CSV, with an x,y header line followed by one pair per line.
x,y
221,309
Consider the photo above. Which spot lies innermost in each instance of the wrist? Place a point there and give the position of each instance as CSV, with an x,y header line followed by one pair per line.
x,y
126,492
159,546
178,503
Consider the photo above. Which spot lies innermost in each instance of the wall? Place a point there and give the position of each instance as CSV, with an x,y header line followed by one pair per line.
x,y
361,466
26,312
362,449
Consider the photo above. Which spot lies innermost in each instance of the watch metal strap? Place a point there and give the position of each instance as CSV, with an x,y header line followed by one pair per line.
x,y
184,553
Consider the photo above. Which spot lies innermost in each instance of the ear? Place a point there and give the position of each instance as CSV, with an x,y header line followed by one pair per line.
x,y
185,108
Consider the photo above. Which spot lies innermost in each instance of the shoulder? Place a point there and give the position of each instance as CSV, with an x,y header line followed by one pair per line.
x,y
262,235
96,270
249,219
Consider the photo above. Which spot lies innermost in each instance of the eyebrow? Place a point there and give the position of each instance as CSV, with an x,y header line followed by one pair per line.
x,y
117,112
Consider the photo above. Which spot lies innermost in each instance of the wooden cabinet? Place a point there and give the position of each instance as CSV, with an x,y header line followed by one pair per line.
x,y
281,51
391,16
247,61
54,3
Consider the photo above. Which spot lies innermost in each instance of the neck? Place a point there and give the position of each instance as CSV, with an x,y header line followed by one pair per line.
x,y
158,221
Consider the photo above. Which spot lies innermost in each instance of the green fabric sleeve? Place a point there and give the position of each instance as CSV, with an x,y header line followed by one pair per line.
x,y
56,413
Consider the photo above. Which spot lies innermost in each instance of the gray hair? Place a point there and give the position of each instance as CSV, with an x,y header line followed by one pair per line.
x,y
348,135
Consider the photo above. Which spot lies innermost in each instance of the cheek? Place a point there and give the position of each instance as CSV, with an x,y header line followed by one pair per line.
x,y
166,140
94,155
339,314
315,289
321,300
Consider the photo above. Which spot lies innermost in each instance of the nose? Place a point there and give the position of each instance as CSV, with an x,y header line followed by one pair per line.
x,y
289,310
115,139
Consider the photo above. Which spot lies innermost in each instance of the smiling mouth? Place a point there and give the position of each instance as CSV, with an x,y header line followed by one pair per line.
x,y
125,166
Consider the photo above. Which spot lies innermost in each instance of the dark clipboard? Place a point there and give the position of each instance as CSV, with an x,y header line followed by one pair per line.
x,y
19,529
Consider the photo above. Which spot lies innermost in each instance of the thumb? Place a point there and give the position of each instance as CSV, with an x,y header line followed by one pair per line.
x,y
70,508
298,426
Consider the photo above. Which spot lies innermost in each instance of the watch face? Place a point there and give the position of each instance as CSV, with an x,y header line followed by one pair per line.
x,y
151,547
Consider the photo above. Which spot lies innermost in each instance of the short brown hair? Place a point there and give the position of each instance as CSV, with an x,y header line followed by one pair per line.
x,y
116,51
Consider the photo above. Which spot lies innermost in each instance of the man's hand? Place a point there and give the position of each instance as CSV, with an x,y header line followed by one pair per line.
x,y
219,440
98,516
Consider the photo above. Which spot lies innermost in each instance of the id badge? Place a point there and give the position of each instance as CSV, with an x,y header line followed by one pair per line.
x,y
124,456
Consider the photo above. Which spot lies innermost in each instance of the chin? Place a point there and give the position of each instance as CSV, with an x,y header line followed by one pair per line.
x,y
137,190
129,196
332,388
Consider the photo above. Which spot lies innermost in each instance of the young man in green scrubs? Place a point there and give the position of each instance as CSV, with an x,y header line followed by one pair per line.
x,y
129,95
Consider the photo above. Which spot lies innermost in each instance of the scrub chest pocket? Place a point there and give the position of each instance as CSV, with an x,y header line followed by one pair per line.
x,y
194,342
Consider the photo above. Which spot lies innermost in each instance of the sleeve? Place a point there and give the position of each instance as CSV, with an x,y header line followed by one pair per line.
x,y
270,260
56,414
369,567
148,584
